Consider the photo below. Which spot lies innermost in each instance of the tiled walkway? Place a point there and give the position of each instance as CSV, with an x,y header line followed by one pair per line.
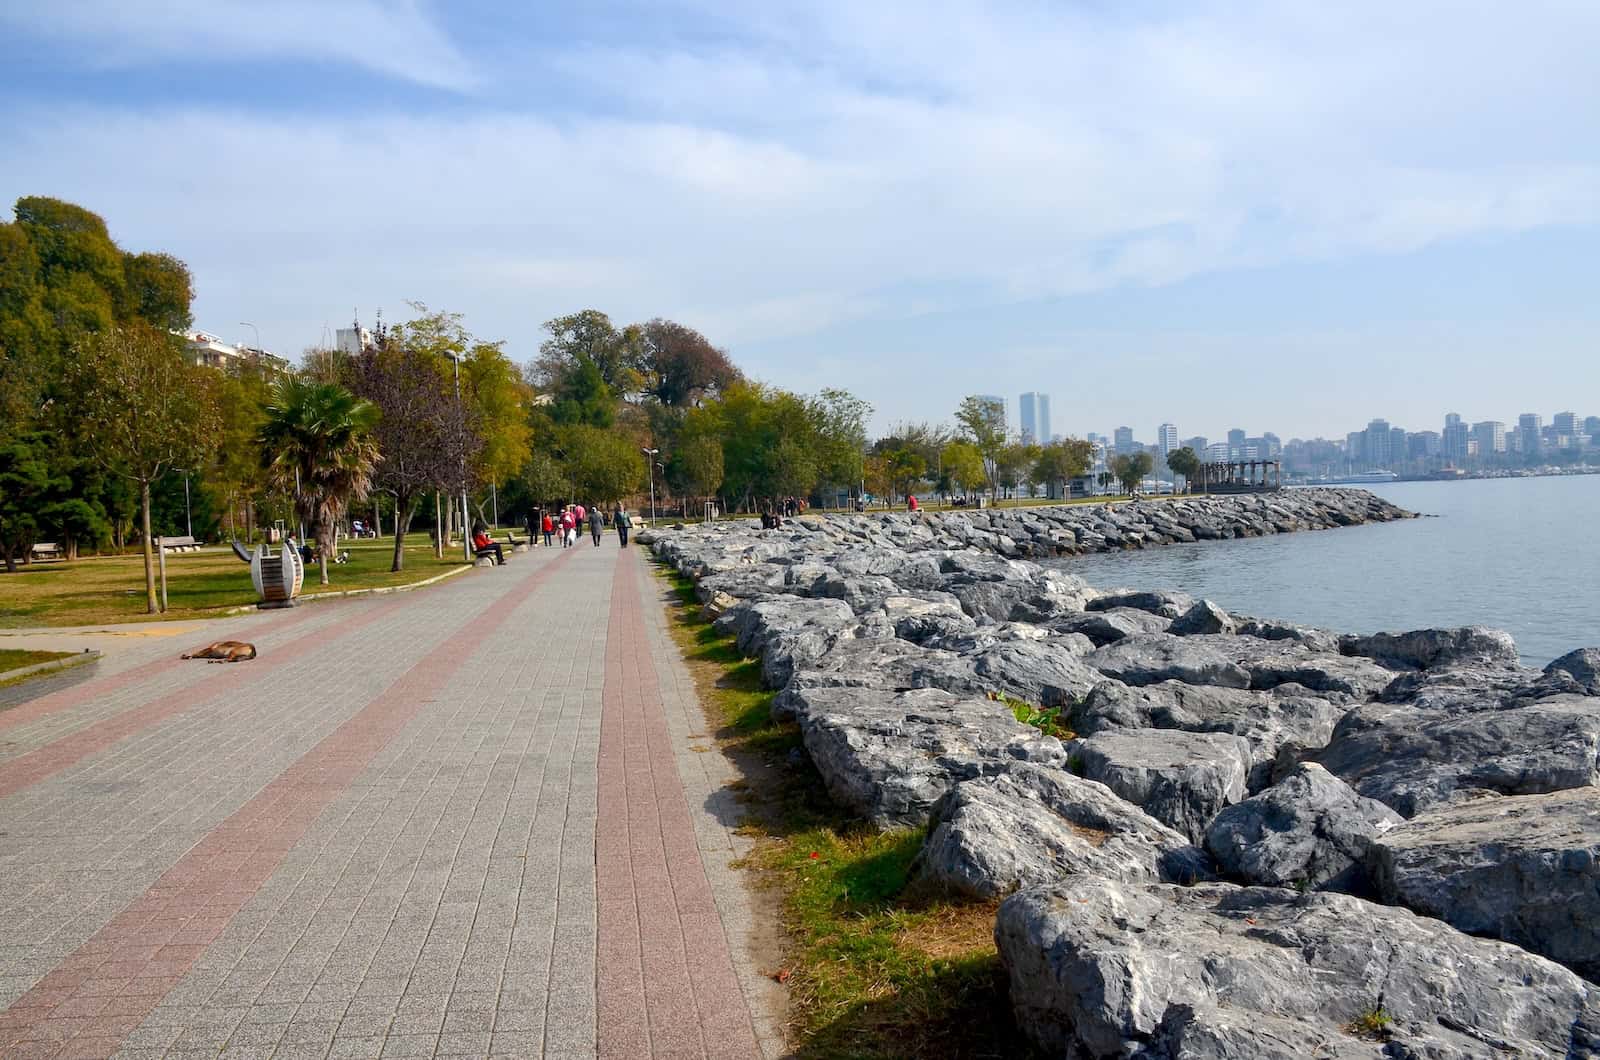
x,y
461,822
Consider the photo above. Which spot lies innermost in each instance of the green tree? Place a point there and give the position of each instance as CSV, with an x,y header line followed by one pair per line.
x,y
604,466
318,438
839,419
983,422
1060,462
1130,469
905,469
545,479
141,410
497,398
26,483
698,461
680,366
158,288
963,464
1013,463
1183,461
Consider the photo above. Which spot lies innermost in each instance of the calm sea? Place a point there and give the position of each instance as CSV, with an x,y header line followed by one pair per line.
x,y
1521,555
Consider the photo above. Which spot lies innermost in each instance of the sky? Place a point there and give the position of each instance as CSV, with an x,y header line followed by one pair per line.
x,y
1280,215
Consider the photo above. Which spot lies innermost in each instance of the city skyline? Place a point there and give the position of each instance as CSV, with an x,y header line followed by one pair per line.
x,y
1074,199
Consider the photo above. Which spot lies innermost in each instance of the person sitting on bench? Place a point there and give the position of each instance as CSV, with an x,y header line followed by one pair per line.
x,y
484,545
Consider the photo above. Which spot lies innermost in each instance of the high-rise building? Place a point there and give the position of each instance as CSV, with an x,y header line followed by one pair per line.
x,y
1123,440
1236,439
1490,436
1453,442
1218,453
1167,438
1566,423
1591,426
1271,445
1376,448
1529,432
1355,448
1197,443
1034,412
1398,447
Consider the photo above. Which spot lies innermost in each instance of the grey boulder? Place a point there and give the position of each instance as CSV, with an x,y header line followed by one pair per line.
x,y
1031,824
1105,627
1523,868
1152,657
1308,830
1164,602
1204,617
890,756
1182,779
1428,648
1099,968
1582,666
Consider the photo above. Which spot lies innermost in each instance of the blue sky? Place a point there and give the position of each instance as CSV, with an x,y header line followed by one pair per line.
x,y
1280,215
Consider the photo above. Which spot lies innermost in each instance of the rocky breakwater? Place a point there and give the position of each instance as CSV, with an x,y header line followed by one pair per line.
x,y
1257,839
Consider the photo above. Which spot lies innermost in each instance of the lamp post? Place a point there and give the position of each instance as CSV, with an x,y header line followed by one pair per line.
x,y
252,327
650,466
466,538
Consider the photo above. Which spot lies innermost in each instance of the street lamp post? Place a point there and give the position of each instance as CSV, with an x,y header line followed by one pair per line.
x,y
650,466
252,327
466,538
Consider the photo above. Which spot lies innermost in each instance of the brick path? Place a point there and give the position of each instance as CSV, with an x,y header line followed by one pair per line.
x,y
462,822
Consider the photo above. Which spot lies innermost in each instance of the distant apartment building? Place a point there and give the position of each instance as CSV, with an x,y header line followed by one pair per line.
x,y
1166,438
202,347
1453,441
1567,425
1034,413
1271,445
1424,445
1236,441
1591,426
1218,453
1122,440
1376,447
1529,433
1490,436
1198,443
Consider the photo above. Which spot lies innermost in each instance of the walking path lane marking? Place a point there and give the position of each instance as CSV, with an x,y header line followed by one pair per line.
x,y
44,762
89,1003
666,984
95,688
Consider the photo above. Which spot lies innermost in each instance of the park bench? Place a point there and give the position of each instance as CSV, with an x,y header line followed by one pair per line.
x,y
47,550
184,543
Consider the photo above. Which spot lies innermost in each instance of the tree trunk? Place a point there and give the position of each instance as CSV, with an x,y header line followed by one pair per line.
x,y
400,527
149,560
438,528
326,534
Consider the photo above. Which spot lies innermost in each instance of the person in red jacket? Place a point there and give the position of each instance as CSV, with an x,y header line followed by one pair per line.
x,y
549,528
484,545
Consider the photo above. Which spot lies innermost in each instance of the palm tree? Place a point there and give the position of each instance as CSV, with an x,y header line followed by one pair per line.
x,y
319,436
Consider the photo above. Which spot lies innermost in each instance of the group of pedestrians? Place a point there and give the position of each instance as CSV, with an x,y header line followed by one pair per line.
x,y
571,520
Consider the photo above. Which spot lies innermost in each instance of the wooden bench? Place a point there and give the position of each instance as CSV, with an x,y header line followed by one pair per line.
x,y
180,544
47,550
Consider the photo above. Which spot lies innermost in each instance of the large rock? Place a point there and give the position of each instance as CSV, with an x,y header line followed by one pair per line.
x,y
1164,602
1030,825
1103,969
1522,868
1469,689
1308,830
1415,760
1288,719
756,622
1270,664
1038,671
890,756
1153,657
1582,666
1203,617
1106,627
1182,779
1427,648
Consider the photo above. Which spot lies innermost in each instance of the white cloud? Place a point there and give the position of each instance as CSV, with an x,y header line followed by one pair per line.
x,y
392,37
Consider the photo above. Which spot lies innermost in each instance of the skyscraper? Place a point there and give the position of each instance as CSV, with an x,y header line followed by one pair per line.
x,y
1236,439
1167,438
1454,439
1490,436
1123,440
1376,449
1035,417
1566,423
1529,432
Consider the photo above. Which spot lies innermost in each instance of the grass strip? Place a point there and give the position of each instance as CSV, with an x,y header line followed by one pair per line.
x,y
875,966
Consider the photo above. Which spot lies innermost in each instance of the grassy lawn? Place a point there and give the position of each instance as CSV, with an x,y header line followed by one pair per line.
x,y
12,659
111,588
873,967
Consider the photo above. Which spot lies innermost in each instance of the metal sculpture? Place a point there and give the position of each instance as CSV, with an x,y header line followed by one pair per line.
x,y
277,576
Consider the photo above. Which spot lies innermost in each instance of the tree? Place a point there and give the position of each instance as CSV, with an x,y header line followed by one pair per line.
x,y
604,466
1013,463
141,410
422,433
498,398
680,366
25,483
545,479
962,463
158,288
1060,462
1183,461
1131,468
983,421
588,341
840,422
698,463
905,469
318,437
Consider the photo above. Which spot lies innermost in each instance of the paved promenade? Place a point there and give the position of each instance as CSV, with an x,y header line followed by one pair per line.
x,y
484,819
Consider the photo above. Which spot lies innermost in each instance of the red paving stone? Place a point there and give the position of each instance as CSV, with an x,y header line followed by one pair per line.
x,y
88,691
42,763
665,978
106,988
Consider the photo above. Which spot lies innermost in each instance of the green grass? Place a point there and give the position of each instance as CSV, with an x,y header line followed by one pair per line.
x,y
110,589
1047,720
874,966
1374,1023
14,659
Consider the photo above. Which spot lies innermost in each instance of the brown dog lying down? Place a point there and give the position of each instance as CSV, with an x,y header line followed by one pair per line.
x,y
225,651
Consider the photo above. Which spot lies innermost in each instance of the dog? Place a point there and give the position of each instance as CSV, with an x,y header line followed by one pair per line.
x,y
225,651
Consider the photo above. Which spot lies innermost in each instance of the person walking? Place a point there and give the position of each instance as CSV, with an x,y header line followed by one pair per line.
x,y
566,527
548,525
535,526
594,525
622,522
